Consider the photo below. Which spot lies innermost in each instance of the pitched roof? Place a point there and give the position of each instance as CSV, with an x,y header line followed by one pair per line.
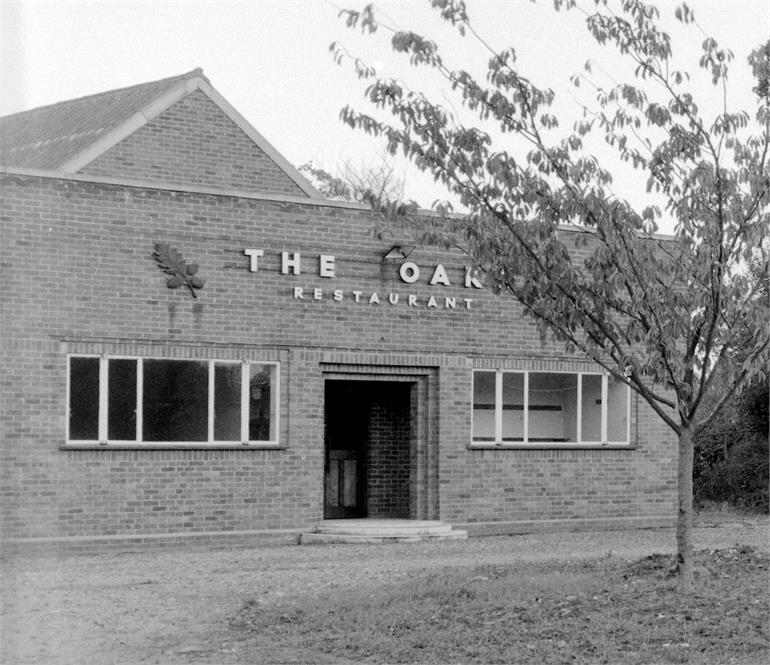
x,y
68,135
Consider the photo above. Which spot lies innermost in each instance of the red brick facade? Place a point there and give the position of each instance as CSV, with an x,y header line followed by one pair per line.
x,y
184,146
389,460
80,279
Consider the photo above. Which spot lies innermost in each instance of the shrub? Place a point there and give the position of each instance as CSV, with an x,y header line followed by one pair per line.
x,y
731,455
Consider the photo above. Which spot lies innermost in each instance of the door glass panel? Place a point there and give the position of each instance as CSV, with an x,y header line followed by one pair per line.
x,y
333,483
591,408
121,409
350,483
84,399
484,406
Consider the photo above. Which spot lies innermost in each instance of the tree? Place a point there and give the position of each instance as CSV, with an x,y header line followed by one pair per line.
x,y
368,183
665,316
731,453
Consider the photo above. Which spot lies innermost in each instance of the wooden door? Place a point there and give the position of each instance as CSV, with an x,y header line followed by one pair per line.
x,y
346,430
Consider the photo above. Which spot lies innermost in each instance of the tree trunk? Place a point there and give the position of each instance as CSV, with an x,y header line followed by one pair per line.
x,y
684,516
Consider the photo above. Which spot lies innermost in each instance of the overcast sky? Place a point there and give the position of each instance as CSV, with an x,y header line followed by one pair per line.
x,y
271,59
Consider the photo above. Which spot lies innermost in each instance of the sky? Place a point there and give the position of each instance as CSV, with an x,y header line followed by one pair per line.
x,y
271,59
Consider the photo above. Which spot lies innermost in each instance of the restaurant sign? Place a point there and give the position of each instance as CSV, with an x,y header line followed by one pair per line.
x,y
408,272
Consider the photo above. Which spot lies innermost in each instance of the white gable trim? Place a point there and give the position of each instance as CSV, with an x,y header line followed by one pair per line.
x,y
163,103
259,140
128,127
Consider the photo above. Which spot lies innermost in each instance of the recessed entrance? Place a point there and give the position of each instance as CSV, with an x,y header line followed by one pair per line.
x,y
369,438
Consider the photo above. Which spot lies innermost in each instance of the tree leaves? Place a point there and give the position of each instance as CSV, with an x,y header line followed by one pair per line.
x,y
181,273
678,319
611,289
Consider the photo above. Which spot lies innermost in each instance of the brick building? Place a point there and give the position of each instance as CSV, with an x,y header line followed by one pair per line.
x,y
317,373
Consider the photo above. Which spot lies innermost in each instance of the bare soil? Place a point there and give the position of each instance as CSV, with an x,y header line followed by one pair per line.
x,y
178,606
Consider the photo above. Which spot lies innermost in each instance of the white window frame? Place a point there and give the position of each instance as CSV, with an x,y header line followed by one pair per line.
x,y
103,415
498,441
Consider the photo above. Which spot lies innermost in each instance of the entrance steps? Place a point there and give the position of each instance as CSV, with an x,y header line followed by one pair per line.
x,y
371,531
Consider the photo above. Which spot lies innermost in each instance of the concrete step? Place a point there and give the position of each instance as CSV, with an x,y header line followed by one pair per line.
x,y
373,531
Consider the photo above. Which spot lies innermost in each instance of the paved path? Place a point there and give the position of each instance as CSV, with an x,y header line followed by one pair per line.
x,y
172,606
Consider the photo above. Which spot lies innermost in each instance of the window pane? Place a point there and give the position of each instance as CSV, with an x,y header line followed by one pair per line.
x,y
121,409
513,407
591,408
617,411
552,407
227,402
263,406
175,400
84,399
484,406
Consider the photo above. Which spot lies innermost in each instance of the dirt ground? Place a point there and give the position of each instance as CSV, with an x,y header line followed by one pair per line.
x,y
173,606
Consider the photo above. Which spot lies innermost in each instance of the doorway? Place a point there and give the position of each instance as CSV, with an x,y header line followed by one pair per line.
x,y
369,449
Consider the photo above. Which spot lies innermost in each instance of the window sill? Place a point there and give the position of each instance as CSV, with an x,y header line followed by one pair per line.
x,y
172,446
550,446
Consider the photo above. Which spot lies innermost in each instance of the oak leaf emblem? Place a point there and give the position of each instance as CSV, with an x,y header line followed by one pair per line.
x,y
181,273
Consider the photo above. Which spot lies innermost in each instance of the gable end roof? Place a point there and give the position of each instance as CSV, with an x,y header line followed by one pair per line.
x,y
66,136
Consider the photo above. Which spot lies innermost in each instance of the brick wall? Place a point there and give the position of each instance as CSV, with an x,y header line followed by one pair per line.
x,y
488,485
48,491
79,253
194,143
80,278
389,452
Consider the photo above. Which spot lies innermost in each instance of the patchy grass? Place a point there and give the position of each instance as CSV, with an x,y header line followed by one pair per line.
x,y
721,512
605,611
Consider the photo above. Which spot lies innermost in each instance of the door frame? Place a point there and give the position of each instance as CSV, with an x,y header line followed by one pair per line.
x,y
423,447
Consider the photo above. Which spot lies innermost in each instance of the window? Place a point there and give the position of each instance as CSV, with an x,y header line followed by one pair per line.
x,y
158,401
537,408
